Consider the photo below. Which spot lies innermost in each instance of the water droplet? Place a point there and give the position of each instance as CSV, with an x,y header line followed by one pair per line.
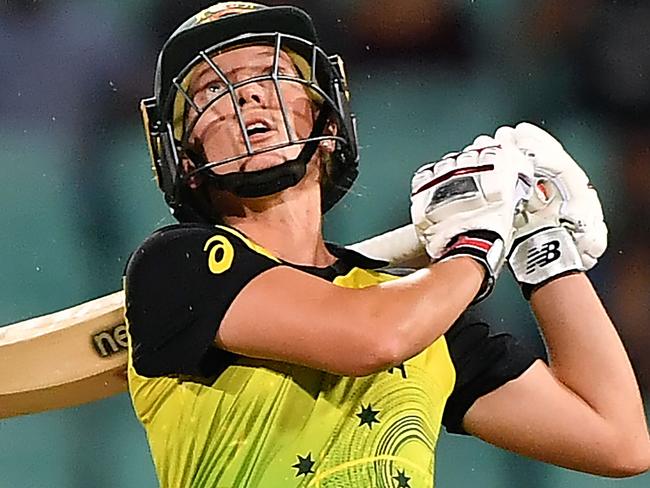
x,y
367,47
112,85
38,268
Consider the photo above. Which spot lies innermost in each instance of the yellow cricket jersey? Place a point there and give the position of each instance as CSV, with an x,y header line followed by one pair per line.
x,y
219,420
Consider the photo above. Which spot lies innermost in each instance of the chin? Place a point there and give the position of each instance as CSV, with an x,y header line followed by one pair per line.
x,y
268,160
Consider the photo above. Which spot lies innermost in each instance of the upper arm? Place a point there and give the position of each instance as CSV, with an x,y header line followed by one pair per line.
x,y
178,285
483,361
288,315
537,416
190,290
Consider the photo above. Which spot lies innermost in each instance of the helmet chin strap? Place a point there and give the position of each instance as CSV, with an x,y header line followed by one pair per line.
x,y
265,182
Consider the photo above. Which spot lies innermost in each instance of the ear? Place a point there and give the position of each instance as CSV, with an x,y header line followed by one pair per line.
x,y
329,145
188,166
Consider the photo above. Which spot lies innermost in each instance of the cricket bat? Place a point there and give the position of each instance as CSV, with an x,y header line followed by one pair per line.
x,y
79,355
63,359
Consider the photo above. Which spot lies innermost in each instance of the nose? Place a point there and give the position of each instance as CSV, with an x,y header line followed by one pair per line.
x,y
250,93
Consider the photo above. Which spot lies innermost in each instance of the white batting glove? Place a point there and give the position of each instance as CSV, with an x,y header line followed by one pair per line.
x,y
465,204
562,229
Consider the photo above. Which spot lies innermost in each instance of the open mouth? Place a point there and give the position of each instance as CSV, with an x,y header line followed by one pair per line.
x,y
257,129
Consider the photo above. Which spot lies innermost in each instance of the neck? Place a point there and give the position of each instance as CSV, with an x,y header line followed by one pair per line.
x,y
288,224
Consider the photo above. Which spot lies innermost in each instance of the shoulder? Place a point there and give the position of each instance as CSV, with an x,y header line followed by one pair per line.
x,y
182,235
191,244
192,260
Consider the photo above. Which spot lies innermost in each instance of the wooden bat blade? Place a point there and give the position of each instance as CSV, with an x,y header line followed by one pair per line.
x,y
65,358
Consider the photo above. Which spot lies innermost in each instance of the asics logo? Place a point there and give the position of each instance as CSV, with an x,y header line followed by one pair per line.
x,y
541,256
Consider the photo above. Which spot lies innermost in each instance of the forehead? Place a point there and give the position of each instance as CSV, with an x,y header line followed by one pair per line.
x,y
241,58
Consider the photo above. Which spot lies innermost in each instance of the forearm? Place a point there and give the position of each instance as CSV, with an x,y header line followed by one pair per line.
x,y
417,309
587,356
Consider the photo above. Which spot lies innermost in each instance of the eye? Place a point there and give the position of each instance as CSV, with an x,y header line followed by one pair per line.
x,y
209,92
215,87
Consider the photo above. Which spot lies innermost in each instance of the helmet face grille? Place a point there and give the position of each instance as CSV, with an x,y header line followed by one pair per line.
x,y
177,115
317,78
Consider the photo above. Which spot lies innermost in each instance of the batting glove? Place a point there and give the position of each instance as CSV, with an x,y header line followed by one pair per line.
x,y
562,229
464,204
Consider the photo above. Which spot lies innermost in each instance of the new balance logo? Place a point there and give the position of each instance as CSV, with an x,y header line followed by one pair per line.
x,y
542,256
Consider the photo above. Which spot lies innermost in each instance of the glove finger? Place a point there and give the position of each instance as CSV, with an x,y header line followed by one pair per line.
x,y
506,134
547,153
436,168
452,154
424,174
593,243
600,243
487,155
526,130
595,205
587,261
467,159
480,142
445,166
426,167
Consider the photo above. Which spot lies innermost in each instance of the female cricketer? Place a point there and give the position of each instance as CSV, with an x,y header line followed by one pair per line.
x,y
263,356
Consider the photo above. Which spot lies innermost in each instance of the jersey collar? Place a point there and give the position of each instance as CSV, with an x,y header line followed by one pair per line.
x,y
346,260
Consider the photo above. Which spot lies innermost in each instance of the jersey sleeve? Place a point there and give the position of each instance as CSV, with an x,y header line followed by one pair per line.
x,y
179,284
483,362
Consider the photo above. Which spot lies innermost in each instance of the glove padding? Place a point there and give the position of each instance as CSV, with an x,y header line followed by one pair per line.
x,y
464,204
562,228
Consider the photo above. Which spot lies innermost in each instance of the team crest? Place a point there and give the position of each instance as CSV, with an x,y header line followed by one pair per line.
x,y
220,10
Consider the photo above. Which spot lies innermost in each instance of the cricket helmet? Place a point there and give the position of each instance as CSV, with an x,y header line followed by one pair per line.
x,y
219,28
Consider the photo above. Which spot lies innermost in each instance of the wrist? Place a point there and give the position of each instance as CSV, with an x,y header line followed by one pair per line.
x,y
469,265
485,248
542,256
529,291
467,273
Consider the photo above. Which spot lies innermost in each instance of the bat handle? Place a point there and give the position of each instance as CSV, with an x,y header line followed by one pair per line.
x,y
397,246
